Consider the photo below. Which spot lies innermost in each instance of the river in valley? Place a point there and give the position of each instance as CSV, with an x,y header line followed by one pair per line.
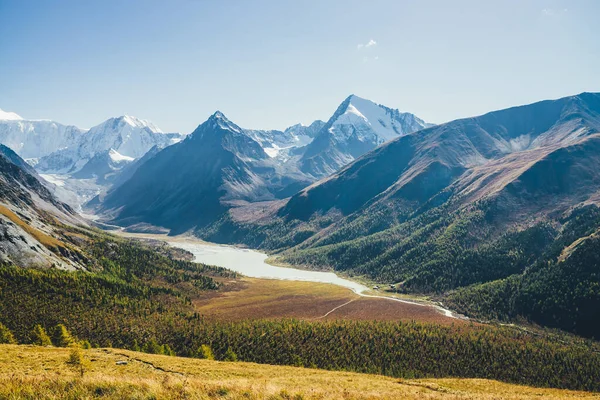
x,y
252,264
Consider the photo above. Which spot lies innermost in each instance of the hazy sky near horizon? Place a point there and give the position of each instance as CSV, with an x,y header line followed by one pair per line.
x,y
270,64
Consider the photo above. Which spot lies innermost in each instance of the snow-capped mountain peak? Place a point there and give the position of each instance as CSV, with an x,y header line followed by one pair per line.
x,y
126,122
140,123
220,121
35,139
357,126
369,121
128,137
305,130
279,144
9,116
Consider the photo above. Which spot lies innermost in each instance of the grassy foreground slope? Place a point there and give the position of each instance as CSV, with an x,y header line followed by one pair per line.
x,y
42,373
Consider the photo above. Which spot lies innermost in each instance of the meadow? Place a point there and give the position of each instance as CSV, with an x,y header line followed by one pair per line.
x,y
33,372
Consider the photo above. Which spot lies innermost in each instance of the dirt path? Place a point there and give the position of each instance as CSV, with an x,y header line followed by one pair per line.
x,y
336,308
441,310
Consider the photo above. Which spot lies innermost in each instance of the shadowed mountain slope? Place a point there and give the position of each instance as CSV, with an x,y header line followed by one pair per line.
x,y
189,184
29,219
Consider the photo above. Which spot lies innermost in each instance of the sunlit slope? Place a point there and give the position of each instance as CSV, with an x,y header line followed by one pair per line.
x,y
43,373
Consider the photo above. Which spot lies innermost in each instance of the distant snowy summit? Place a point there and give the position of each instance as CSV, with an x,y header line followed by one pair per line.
x,y
357,126
278,144
127,135
9,116
56,148
33,139
371,122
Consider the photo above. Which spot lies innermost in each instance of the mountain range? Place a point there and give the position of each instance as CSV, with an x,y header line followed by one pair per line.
x,y
84,163
470,204
221,165
126,136
490,213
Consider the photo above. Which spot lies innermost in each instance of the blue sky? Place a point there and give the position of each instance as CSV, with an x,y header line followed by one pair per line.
x,y
270,64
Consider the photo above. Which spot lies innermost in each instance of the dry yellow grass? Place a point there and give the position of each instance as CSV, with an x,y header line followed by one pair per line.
x,y
40,236
269,298
30,372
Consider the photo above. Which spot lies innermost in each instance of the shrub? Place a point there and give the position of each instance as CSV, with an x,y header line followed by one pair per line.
x,y
166,350
152,347
135,346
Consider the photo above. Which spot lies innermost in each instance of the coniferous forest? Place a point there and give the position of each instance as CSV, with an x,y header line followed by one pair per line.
x,y
545,273
140,299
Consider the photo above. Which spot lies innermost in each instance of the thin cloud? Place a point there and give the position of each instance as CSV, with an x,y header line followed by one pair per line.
x,y
370,43
551,12
369,59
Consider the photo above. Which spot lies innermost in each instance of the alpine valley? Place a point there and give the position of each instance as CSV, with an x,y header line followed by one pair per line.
x,y
497,214
479,238
209,212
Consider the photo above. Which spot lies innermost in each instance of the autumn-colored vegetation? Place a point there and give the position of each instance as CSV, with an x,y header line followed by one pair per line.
x,y
55,373
268,298
141,299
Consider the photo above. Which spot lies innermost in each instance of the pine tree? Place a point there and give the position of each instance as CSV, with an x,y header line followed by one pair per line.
x,y
62,337
166,350
205,352
230,355
6,336
77,360
136,346
40,337
152,347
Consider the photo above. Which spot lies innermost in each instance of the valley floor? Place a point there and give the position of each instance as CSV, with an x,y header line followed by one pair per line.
x,y
31,372
268,298
247,297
